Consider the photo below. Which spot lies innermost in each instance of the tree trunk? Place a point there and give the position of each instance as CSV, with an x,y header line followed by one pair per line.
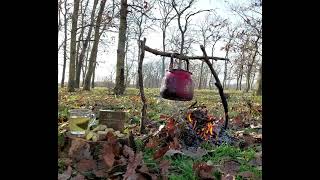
x,y
225,75
181,49
85,67
71,81
78,62
119,88
252,80
126,60
164,50
259,90
251,64
65,45
137,78
85,45
93,75
94,51
240,81
76,85
237,88
248,75
200,76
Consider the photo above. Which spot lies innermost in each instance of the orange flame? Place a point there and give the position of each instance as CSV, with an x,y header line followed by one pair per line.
x,y
207,131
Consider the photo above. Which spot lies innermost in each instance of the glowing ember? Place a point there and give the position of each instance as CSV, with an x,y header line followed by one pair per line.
x,y
205,131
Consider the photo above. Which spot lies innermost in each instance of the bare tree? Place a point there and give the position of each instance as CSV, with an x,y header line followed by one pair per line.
x,y
230,38
85,42
180,10
210,29
65,18
259,90
166,9
120,86
139,21
94,50
251,16
71,81
93,75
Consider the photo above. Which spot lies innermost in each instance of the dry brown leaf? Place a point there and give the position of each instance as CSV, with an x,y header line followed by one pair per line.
x,y
145,172
99,173
79,150
228,177
128,152
158,154
175,144
203,170
230,167
194,153
132,165
257,161
108,155
66,175
85,165
164,166
78,177
152,143
111,138
246,174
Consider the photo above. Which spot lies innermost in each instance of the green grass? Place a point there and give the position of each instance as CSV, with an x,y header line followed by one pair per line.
x,y
181,167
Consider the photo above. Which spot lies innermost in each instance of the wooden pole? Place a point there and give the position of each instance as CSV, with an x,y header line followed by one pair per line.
x,y
143,98
219,86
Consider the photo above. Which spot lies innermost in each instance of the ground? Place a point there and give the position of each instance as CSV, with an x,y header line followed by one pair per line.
x,y
240,161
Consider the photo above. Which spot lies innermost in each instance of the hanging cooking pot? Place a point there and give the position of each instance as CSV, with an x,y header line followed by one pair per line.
x,y
177,84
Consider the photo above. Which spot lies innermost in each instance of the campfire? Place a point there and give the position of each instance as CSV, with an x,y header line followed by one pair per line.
x,y
203,124
185,132
199,126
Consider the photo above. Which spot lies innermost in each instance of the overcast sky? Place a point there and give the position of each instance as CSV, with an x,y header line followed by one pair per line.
x,y
107,55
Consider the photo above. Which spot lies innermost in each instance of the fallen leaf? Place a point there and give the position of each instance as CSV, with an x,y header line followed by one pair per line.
x,y
246,174
128,152
111,138
66,175
203,170
99,173
145,172
164,167
175,144
230,167
132,165
76,144
79,150
152,143
170,124
172,152
85,165
162,116
228,177
257,161
158,154
108,155
194,153
78,177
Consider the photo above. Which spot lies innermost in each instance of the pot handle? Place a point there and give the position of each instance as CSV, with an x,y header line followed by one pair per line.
x,y
171,63
187,61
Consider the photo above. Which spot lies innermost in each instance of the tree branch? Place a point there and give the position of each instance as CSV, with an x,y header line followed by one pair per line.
x,y
178,56
192,14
